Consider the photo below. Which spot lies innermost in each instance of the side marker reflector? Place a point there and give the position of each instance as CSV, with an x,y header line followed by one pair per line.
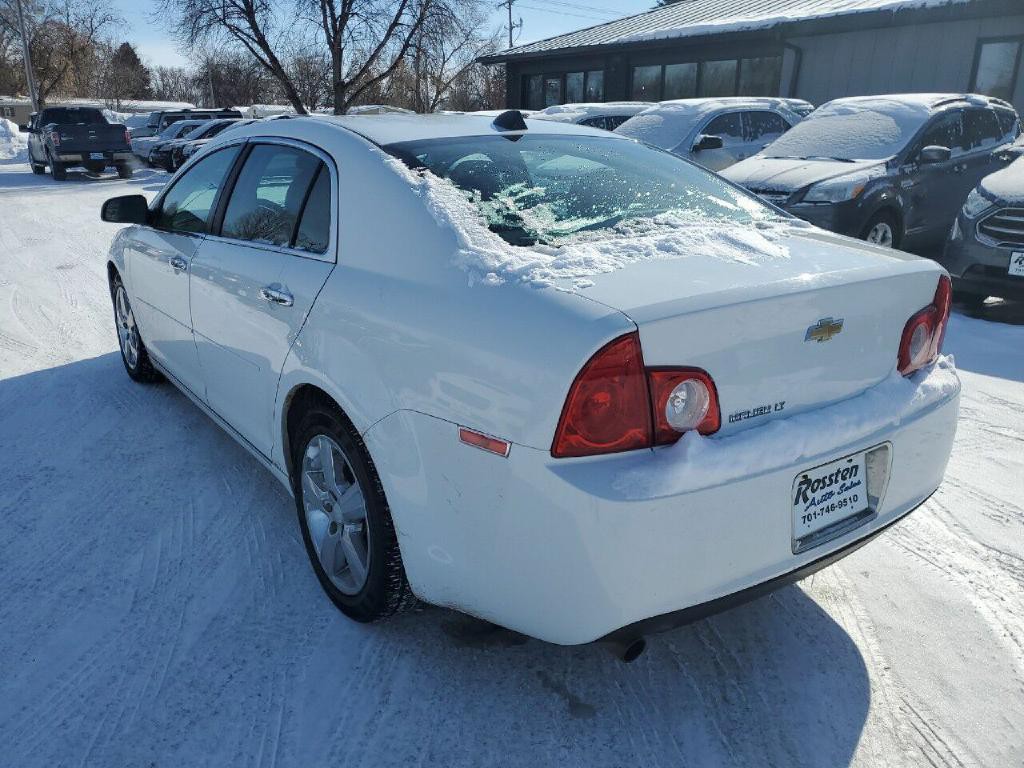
x,y
490,444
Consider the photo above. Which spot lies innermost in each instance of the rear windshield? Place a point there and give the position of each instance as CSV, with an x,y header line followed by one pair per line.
x,y
872,130
547,189
72,116
663,126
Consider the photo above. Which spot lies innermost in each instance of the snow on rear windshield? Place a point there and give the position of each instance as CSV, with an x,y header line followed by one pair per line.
x,y
547,190
873,130
664,127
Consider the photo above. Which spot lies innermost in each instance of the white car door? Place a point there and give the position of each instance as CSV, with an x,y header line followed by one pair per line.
x,y
159,258
255,280
729,128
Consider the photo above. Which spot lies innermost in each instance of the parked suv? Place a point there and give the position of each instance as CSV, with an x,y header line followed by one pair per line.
x,y
892,170
63,137
985,250
714,133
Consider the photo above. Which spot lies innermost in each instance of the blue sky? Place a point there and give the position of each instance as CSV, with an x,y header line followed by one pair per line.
x,y
541,18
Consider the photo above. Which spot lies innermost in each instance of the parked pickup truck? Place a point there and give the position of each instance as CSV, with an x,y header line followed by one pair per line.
x,y
62,137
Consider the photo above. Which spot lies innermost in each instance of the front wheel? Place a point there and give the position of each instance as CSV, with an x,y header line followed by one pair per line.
x,y
345,521
133,351
38,169
882,230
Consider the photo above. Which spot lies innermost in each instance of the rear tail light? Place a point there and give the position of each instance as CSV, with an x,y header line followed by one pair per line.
x,y
127,136
55,138
615,404
925,330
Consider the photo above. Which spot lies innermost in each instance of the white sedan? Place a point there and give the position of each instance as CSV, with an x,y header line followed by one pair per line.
x,y
539,373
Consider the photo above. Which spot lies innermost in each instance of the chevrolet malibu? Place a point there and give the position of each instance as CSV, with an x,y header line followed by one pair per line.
x,y
536,372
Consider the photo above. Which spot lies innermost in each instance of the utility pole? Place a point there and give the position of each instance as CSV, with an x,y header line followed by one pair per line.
x,y
30,80
511,27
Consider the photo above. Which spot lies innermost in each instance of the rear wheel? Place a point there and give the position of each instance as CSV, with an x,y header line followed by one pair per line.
x,y
882,230
133,351
58,171
345,521
38,169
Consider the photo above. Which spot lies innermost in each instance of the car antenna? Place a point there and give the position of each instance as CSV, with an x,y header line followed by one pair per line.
x,y
510,120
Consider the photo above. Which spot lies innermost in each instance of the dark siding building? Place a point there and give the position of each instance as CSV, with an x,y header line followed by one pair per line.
x,y
809,49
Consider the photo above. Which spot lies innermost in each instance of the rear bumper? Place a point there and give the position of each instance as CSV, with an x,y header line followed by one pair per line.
x,y
80,158
572,550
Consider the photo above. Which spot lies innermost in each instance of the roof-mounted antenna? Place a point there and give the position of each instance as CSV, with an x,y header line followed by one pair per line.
x,y
510,120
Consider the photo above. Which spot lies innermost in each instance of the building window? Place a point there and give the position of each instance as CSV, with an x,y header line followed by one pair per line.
x,y
718,78
647,83
760,77
535,92
595,85
995,68
680,81
552,90
574,87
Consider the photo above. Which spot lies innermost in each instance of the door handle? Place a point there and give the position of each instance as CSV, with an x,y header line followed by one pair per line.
x,y
276,296
177,263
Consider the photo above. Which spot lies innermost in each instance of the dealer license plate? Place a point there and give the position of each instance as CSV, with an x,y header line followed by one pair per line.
x,y
1017,263
826,496
96,156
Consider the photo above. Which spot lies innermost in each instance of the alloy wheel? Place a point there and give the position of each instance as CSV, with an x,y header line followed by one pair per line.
x,y
881,234
127,331
336,516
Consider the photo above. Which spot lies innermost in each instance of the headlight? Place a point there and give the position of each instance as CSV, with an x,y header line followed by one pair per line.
x,y
976,204
837,190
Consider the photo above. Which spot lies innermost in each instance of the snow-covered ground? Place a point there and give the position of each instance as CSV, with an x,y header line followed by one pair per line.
x,y
156,606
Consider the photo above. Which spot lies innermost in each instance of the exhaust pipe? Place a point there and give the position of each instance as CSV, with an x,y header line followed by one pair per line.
x,y
628,649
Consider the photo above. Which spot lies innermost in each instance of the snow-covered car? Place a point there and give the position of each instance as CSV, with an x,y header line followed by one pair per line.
x,y
985,249
891,169
714,132
143,147
608,115
185,150
537,372
167,154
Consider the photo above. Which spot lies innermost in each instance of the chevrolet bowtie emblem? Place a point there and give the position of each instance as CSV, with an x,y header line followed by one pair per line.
x,y
824,329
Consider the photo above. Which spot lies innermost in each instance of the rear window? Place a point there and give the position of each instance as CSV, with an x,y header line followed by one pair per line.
x,y
72,116
1008,122
852,130
549,189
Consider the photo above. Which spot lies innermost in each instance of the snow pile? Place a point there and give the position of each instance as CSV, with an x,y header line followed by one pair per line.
x,y
701,462
13,144
489,259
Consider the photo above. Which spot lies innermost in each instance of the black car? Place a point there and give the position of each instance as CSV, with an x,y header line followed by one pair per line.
x,y
167,154
892,170
63,137
985,250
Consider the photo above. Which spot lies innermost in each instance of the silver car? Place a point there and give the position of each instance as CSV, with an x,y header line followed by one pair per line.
x,y
714,132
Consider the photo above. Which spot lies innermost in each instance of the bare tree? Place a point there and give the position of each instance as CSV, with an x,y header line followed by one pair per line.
x,y
311,73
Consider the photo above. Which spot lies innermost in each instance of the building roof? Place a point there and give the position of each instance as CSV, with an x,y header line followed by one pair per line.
x,y
698,18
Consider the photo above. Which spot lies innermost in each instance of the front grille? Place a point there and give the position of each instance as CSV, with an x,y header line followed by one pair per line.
x,y
772,196
1005,226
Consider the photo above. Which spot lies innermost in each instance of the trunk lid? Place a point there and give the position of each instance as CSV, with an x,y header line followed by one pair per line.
x,y
755,325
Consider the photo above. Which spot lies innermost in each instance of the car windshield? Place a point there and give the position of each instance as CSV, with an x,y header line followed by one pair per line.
x,y
547,189
663,126
174,130
852,130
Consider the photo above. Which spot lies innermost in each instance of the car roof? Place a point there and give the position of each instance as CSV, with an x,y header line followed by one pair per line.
x,y
930,102
395,128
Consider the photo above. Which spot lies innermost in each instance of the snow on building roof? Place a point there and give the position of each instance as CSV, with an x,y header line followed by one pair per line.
x,y
711,17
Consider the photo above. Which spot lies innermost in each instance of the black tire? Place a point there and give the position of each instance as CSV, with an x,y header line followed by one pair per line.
x,y
386,590
58,171
142,370
884,218
125,171
38,169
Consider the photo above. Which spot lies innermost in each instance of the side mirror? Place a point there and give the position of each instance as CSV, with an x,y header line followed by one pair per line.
x,y
128,209
705,141
934,154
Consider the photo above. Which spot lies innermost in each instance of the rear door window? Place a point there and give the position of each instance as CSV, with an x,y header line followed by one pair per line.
x,y
728,126
981,129
763,127
187,205
268,197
